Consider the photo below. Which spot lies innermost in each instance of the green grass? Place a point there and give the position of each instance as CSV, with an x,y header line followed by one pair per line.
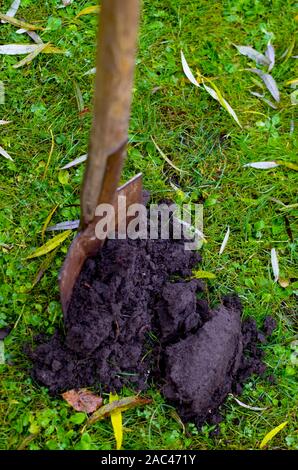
x,y
200,138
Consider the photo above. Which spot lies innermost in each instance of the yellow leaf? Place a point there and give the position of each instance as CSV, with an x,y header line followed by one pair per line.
x,y
19,24
272,433
47,221
116,419
88,10
53,50
292,82
50,245
218,96
203,275
290,165
30,56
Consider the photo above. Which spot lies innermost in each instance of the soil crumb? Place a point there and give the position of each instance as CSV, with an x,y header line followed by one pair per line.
x,y
136,316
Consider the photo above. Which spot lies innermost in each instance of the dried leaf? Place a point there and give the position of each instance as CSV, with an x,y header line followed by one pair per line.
x,y
259,95
68,225
5,154
2,353
50,245
86,11
271,434
53,50
269,82
250,52
83,400
28,59
19,23
116,419
165,157
274,264
253,408
261,165
290,165
294,81
225,241
17,49
187,71
32,34
47,221
79,97
270,54
75,162
43,267
214,91
66,3
283,282
294,97
216,94
203,275
2,123
13,8
122,405
91,71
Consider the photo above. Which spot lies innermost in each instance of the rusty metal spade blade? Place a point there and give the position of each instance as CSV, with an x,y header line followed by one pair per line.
x,y
115,63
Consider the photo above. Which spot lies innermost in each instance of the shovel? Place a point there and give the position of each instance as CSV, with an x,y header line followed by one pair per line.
x,y
115,63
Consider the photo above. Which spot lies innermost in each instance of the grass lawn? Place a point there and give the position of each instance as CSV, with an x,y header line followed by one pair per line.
x,y
202,140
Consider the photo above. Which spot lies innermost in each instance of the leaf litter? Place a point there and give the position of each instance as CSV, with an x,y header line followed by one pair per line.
x,y
214,91
83,400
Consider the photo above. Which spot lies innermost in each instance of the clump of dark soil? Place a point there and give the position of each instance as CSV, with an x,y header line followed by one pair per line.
x,y
136,316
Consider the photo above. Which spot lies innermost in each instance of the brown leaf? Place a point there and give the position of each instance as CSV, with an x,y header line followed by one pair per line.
x,y
119,405
83,400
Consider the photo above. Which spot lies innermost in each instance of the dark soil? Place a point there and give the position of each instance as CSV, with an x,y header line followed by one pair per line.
x,y
136,317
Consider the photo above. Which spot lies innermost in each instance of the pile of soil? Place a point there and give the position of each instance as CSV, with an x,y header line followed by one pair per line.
x,y
137,316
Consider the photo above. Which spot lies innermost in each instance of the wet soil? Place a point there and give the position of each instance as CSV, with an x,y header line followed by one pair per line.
x,y
136,316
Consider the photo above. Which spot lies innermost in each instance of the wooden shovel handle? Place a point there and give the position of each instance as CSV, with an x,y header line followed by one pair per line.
x,y
115,63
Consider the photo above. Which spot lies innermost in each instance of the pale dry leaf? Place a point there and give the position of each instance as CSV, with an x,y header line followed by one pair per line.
x,y
83,400
68,225
259,95
249,407
270,54
225,241
3,123
91,71
261,165
165,157
28,59
13,9
269,82
251,53
5,154
75,162
32,34
17,49
187,71
274,264
272,105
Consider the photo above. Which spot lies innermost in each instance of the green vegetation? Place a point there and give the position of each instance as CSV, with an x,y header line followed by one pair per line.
x,y
201,139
